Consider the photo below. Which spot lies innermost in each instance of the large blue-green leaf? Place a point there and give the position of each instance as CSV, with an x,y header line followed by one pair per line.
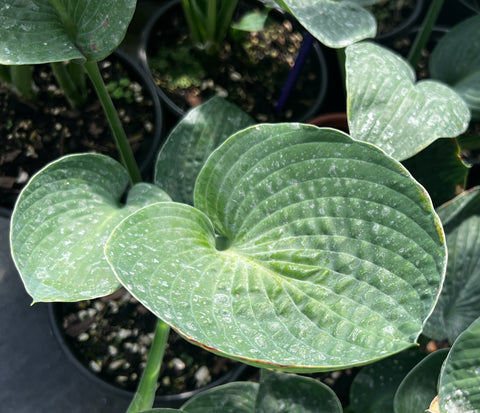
x,y
459,302
385,106
374,387
42,31
192,141
419,387
307,250
456,61
289,393
62,220
335,23
459,386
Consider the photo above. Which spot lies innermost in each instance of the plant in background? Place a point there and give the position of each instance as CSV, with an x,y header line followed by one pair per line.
x,y
209,21
284,246
69,75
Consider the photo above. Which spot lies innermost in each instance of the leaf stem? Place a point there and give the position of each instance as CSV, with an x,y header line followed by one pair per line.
x,y
5,73
424,33
116,127
22,80
73,93
341,58
145,395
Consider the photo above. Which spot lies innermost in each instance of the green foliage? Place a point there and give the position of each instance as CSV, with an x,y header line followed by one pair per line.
x,y
192,141
62,220
334,252
288,246
121,89
373,389
62,31
385,106
209,21
419,387
336,24
459,385
456,61
459,305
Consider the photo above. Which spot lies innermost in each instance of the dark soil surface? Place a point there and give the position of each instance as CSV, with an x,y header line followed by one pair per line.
x,y
391,14
112,336
250,70
32,134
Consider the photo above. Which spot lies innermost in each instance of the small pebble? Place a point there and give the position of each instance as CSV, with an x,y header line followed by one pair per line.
x,y
116,364
178,364
202,376
83,337
95,366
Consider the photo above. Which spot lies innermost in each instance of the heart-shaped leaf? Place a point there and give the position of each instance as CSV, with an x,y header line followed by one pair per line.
x,y
373,389
456,61
459,302
192,141
42,31
459,386
287,393
238,397
308,251
334,23
385,106
61,221
419,387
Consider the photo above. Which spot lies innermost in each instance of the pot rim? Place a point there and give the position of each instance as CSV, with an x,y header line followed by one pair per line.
x,y
404,26
146,153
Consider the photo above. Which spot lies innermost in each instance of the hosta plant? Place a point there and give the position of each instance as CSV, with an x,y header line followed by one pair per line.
x,y
284,246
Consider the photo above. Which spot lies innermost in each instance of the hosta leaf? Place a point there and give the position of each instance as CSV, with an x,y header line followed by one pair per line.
x,y
289,393
440,170
61,221
329,253
459,386
374,387
456,61
192,141
385,106
334,23
459,302
42,31
277,392
419,387
238,397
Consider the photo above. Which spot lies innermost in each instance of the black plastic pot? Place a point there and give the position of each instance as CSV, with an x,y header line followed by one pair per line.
x,y
148,46
171,401
150,146
36,374
404,27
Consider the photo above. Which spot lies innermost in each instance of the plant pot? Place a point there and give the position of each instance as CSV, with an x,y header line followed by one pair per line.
x,y
36,375
403,44
110,364
147,152
36,133
336,120
261,109
397,23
